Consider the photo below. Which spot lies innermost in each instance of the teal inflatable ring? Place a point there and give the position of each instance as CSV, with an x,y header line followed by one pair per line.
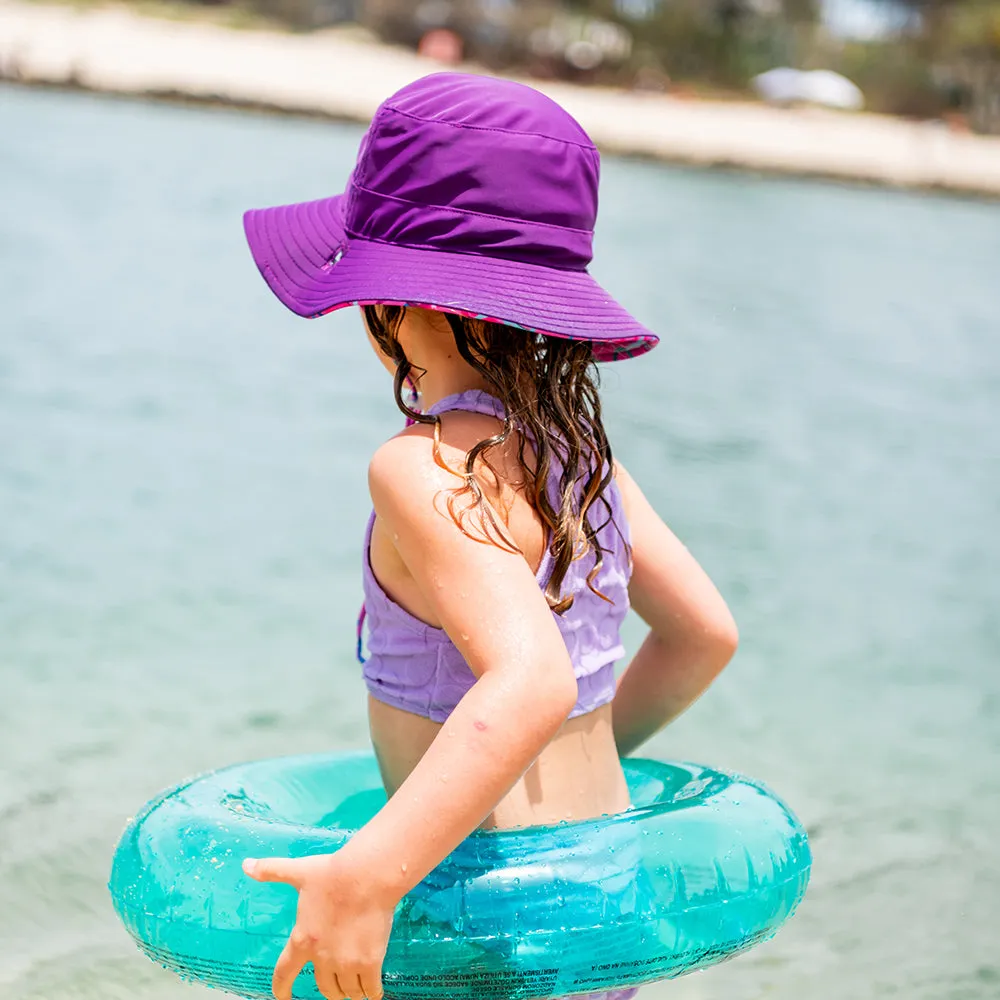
x,y
703,866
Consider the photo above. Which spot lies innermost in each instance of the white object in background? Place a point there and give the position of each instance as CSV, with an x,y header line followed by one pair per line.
x,y
823,86
779,86
785,85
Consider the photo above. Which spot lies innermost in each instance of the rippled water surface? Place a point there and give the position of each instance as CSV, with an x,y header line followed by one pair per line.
x,y
182,497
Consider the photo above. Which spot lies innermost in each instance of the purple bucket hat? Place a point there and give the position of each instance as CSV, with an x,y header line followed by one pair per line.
x,y
471,195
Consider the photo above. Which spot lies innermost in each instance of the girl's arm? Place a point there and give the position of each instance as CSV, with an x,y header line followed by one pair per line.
x,y
488,601
692,635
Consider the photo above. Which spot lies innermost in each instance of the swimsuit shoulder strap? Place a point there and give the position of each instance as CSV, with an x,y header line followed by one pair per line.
x,y
474,400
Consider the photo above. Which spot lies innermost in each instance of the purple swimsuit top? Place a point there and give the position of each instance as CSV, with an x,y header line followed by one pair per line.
x,y
416,667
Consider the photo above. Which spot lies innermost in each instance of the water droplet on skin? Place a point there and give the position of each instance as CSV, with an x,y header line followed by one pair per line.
x,y
402,867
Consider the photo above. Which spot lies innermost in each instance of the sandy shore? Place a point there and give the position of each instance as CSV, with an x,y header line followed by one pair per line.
x,y
330,73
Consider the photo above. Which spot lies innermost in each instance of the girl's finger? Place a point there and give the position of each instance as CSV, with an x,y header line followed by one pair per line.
x,y
371,982
289,965
273,870
327,982
353,990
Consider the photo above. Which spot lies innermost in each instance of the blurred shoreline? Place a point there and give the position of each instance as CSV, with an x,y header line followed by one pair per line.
x,y
341,75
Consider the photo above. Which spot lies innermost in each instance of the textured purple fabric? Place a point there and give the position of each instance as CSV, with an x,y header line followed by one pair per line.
x,y
469,193
416,667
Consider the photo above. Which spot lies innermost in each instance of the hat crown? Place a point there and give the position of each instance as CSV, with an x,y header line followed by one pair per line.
x,y
475,165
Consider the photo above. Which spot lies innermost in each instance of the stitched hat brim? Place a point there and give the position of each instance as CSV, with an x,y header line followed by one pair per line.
x,y
314,267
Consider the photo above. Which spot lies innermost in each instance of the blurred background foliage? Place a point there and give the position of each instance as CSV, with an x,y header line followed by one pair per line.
x,y
920,58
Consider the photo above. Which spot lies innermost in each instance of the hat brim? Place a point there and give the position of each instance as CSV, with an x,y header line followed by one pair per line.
x,y
314,267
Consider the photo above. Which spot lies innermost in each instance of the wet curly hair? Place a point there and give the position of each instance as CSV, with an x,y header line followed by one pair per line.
x,y
549,390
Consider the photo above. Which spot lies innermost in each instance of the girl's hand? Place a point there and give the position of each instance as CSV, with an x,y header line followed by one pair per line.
x,y
342,926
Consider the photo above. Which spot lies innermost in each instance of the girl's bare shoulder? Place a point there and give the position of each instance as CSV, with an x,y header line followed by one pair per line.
x,y
439,454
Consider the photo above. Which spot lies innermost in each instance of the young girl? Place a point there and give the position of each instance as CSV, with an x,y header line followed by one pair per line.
x,y
506,545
